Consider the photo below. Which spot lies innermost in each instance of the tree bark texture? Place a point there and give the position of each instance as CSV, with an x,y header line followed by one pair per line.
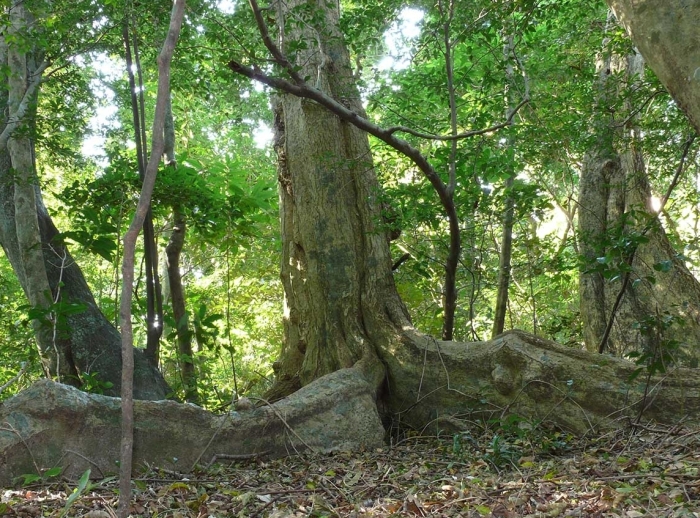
x,y
21,65
334,268
177,298
619,230
340,298
52,425
666,34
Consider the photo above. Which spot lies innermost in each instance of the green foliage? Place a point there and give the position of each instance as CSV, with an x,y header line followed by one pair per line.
x,y
77,492
91,382
54,316
224,183
32,478
16,336
661,353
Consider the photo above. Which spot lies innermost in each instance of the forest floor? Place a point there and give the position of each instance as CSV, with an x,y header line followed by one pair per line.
x,y
511,470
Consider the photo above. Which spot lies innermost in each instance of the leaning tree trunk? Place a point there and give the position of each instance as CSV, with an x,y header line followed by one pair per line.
x,y
636,295
666,34
23,70
75,343
91,342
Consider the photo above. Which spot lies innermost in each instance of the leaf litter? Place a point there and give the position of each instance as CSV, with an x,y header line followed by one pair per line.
x,y
504,471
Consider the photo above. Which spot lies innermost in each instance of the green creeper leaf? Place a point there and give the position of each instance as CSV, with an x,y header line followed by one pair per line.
x,y
663,266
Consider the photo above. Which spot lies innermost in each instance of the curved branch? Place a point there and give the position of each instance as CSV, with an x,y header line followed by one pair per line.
x,y
277,54
346,114
466,134
298,87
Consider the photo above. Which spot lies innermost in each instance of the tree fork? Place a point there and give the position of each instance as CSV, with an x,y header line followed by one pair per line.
x,y
300,88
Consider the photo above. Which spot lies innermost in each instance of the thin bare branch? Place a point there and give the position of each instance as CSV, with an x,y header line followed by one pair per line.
x,y
466,134
157,145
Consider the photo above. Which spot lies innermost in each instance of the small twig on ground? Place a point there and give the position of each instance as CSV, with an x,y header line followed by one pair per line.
x,y
259,512
226,456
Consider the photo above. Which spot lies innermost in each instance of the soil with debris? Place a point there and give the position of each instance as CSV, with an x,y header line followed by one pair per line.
x,y
509,471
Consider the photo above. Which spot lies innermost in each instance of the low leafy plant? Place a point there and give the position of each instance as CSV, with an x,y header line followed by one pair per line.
x,y
511,438
660,354
79,490
32,478
501,453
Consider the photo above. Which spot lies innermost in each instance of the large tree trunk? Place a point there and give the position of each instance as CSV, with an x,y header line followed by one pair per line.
x,y
23,68
666,34
341,304
342,309
92,342
636,294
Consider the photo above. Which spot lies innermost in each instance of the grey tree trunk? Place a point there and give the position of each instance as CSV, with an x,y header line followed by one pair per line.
x,y
93,344
341,307
666,35
23,68
462,382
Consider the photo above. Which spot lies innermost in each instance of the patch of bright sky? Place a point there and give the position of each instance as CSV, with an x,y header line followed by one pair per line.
x,y
262,135
398,40
103,120
227,6
399,37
